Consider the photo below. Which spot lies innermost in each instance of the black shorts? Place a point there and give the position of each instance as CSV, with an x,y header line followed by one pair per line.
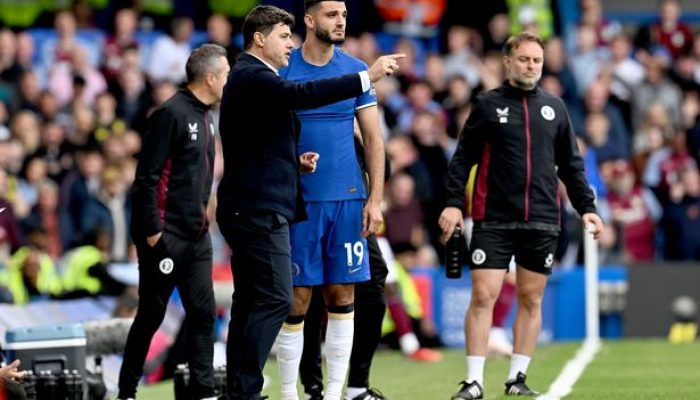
x,y
533,249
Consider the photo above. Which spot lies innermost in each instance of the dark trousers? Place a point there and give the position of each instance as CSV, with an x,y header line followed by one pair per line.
x,y
185,264
370,306
262,299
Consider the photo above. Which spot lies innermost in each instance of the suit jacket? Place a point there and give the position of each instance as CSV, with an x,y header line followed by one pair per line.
x,y
259,134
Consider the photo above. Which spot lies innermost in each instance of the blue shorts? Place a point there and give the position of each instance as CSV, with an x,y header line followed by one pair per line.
x,y
328,248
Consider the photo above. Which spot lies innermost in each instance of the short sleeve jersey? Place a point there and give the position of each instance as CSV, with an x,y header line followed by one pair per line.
x,y
328,130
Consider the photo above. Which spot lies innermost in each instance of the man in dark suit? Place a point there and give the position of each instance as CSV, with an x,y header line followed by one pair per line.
x,y
258,196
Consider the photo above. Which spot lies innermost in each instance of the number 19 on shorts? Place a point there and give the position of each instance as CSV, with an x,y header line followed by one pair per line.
x,y
354,251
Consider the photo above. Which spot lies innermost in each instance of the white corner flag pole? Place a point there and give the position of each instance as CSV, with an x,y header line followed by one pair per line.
x,y
590,256
564,383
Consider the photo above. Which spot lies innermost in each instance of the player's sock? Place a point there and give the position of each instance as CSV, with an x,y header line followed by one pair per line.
x,y
475,369
352,392
339,333
409,343
290,345
518,363
503,304
407,339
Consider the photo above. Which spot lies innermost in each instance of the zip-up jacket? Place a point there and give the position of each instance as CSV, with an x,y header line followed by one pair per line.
x,y
174,172
522,141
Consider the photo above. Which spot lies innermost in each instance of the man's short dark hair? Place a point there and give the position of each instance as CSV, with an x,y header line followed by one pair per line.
x,y
310,3
515,41
263,19
204,60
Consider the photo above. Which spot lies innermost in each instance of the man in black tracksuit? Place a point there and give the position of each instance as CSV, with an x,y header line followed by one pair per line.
x,y
522,140
169,222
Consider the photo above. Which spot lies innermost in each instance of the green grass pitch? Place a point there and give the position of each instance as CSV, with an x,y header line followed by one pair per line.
x,y
624,369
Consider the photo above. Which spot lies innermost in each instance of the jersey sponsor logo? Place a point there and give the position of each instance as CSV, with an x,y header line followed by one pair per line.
x,y
353,270
166,265
3,210
478,257
502,114
211,129
547,113
549,260
295,270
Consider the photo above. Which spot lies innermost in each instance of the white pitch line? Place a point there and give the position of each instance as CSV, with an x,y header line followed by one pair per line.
x,y
572,371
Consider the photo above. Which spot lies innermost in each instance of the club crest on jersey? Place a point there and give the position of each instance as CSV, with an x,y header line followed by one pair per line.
x,y
547,113
502,114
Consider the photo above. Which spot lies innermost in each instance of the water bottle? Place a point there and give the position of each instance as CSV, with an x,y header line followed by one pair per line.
x,y
453,254
50,387
181,382
77,387
30,385
65,381
94,382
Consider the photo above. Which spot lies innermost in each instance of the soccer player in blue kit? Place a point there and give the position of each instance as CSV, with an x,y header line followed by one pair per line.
x,y
329,248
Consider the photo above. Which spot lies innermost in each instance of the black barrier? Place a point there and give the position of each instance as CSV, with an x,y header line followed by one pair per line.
x,y
652,290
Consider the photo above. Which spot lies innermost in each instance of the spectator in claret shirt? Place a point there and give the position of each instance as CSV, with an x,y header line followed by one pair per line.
x,y
668,34
125,25
635,212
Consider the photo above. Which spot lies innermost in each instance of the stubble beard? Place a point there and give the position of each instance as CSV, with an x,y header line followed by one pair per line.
x,y
524,83
325,37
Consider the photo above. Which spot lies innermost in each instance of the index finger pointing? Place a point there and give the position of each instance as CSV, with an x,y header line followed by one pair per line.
x,y
396,56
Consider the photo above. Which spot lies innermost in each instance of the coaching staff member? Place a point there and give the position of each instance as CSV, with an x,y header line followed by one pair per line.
x,y
522,140
258,196
169,222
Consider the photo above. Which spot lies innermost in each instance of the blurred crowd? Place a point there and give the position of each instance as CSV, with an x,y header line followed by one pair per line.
x,y
74,104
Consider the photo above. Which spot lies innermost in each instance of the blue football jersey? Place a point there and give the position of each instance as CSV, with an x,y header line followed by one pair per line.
x,y
328,130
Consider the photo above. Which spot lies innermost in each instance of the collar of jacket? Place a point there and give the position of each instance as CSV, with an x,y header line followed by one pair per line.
x,y
517,92
194,100
250,58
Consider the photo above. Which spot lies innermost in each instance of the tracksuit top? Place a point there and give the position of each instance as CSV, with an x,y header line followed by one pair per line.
x,y
522,142
175,170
